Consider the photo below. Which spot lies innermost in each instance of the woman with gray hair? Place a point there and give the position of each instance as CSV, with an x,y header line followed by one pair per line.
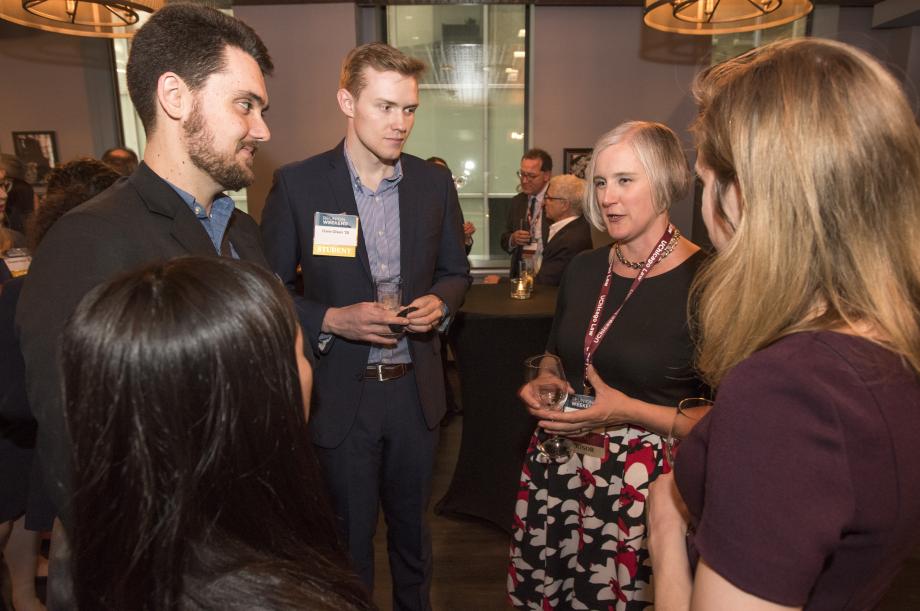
x,y
621,332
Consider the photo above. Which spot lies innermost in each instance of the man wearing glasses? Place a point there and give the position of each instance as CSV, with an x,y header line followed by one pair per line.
x,y
569,232
525,232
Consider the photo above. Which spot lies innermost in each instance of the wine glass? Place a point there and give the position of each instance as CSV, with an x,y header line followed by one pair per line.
x,y
689,412
546,374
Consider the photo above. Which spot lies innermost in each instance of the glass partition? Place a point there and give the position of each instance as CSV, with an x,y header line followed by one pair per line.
x,y
472,104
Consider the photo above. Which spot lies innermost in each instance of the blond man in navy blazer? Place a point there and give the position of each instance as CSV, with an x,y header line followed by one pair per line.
x,y
378,399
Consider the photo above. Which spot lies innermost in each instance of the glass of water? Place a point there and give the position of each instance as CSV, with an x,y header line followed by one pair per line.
x,y
545,372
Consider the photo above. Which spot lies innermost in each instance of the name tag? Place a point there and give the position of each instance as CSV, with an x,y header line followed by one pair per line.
x,y
335,235
577,402
590,444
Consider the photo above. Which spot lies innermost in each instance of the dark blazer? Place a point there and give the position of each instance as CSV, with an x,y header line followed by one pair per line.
x,y
517,212
568,242
432,260
139,220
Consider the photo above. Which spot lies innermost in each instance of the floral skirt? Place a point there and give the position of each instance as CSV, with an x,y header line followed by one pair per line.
x,y
578,538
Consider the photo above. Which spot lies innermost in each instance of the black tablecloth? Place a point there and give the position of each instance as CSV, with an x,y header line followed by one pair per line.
x,y
491,337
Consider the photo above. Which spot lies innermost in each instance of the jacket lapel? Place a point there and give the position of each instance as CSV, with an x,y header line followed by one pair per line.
x,y
161,199
408,213
344,194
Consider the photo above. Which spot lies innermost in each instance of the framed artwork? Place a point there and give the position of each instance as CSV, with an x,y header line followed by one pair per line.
x,y
38,152
575,161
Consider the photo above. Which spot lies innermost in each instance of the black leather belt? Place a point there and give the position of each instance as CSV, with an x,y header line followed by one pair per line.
x,y
384,372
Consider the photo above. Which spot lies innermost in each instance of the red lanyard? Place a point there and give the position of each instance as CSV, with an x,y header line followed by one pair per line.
x,y
593,337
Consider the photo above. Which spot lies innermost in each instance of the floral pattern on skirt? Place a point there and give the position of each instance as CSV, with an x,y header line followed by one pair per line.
x,y
578,539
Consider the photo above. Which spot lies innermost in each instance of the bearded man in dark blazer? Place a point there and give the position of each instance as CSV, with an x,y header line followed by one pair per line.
x,y
196,77
378,395
568,233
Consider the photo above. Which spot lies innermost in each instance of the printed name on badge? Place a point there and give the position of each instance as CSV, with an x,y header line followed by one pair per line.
x,y
335,235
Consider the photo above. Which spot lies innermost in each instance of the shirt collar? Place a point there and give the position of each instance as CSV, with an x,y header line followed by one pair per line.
x,y
356,180
222,202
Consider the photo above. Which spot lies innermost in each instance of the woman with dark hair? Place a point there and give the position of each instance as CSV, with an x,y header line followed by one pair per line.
x,y
186,394
802,484
21,488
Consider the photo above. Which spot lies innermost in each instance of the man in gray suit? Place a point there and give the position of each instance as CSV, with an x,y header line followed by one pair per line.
x,y
196,77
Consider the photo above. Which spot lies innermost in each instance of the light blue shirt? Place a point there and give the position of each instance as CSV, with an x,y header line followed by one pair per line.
x,y
216,224
379,214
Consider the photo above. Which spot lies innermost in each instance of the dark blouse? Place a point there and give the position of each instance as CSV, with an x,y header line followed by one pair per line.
x,y
804,479
647,352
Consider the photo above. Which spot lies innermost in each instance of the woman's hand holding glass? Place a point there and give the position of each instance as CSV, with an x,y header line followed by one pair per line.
x,y
611,408
547,389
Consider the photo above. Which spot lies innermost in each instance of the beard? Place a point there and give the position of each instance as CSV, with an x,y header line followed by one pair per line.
x,y
224,168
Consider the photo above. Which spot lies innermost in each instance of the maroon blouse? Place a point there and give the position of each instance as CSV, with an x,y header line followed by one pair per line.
x,y
804,480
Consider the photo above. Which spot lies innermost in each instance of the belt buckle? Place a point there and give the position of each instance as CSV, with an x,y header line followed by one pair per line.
x,y
380,372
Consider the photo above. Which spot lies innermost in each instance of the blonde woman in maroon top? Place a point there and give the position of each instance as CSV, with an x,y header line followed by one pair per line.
x,y
801,488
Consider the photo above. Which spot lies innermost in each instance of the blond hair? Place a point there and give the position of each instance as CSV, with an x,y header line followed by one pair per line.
x,y
658,150
571,188
380,57
825,153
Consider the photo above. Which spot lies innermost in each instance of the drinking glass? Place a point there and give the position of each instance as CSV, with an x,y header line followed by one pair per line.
x,y
522,282
688,413
388,293
545,372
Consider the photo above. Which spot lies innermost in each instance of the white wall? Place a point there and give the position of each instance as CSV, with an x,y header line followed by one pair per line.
x,y
599,66
53,82
307,43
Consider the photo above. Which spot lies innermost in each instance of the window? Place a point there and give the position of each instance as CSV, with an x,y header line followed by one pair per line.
x,y
472,105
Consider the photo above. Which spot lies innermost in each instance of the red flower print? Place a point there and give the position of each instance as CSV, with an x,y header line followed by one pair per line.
x,y
630,495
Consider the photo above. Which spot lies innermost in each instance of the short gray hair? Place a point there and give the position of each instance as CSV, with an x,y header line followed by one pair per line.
x,y
571,188
661,155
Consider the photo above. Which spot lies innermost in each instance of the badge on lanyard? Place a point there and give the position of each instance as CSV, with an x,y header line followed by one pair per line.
x,y
335,235
592,443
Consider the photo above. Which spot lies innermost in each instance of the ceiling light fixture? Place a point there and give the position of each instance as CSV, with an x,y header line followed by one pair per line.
x,y
93,18
708,17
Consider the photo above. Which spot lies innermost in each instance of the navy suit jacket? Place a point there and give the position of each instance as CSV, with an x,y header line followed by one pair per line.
x,y
432,260
138,220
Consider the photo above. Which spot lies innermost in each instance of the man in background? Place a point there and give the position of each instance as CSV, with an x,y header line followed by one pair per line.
x,y
569,233
525,230
354,217
122,160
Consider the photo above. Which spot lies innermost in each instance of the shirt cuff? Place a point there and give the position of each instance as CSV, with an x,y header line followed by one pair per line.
x,y
324,342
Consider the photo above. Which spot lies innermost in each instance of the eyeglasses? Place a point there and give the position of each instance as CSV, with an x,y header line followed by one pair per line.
x,y
554,198
526,176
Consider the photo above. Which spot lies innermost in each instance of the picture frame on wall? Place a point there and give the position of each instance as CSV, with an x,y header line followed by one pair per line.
x,y
38,152
575,161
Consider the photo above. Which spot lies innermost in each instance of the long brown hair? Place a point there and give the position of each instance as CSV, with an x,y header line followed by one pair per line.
x,y
824,150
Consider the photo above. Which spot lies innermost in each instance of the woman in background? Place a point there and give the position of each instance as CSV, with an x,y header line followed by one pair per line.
x,y
578,540
803,482
25,509
187,395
